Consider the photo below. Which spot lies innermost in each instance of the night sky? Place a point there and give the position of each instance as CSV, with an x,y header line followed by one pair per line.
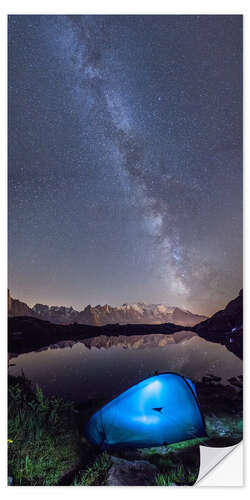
x,y
125,160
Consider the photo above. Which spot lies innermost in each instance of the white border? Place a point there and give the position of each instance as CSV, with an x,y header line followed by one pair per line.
x,y
109,7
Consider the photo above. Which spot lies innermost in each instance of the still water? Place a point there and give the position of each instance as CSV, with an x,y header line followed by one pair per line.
x,y
103,367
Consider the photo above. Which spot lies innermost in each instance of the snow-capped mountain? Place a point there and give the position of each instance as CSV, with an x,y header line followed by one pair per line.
x,y
56,314
138,313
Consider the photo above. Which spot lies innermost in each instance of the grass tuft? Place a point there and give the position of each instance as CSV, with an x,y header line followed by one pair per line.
x,y
96,474
178,476
43,439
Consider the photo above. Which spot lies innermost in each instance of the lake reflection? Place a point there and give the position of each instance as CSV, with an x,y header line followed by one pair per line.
x,y
103,367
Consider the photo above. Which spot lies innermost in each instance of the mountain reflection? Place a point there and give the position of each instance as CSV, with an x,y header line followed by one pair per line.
x,y
104,366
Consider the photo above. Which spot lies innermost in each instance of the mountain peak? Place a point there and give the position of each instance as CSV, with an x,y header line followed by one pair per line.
x,y
135,313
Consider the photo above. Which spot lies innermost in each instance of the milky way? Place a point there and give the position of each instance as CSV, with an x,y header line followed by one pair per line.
x,y
125,159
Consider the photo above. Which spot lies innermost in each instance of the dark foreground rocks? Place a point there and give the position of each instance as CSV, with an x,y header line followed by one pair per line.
x,y
131,473
225,327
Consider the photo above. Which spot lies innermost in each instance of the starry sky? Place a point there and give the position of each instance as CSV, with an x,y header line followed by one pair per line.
x,y
125,159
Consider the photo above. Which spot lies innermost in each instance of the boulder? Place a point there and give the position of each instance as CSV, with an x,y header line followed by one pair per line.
x,y
131,473
234,381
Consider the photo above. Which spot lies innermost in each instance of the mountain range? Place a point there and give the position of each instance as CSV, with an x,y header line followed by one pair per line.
x,y
28,332
138,313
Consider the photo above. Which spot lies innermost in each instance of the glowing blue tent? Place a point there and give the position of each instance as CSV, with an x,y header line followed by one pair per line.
x,y
162,409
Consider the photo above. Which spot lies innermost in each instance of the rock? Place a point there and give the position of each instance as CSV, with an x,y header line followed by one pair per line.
x,y
211,379
131,473
17,334
234,381
227,320
230,388
130,454
225,326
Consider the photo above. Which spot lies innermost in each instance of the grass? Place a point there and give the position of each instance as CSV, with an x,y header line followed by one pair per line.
x,y
184,445
170,448
96,474
43,440
177,477
178,463
45,445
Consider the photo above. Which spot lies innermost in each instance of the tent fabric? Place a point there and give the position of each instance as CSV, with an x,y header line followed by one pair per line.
x,y
161,409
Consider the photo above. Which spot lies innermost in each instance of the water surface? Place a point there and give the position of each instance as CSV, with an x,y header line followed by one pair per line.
x,y
102,367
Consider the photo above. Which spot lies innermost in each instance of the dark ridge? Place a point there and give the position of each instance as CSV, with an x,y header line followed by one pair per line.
x,y
27,334
224,327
